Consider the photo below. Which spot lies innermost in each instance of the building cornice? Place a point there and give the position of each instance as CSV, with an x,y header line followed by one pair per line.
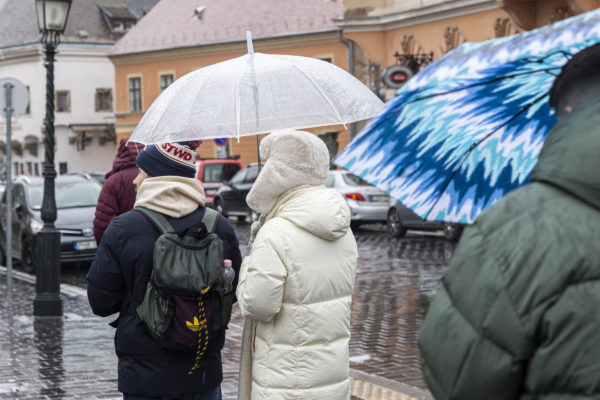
x,y
227,47
91,127
35,50
84,49
415,16
124,129
20,46
125,114
64,43
29,52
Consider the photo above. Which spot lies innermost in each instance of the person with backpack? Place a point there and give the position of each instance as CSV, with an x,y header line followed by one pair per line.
x,y
158,266
296,285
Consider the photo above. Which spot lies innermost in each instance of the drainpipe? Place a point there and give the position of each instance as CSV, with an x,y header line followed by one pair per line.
x,y
350,45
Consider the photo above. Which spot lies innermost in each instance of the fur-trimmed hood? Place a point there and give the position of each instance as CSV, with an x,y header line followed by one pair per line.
x,y
293,158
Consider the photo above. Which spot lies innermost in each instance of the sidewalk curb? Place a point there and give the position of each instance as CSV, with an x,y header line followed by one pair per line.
x,y
65,289
372,387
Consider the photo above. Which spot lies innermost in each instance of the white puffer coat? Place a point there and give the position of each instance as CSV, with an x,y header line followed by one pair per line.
x,y
297,283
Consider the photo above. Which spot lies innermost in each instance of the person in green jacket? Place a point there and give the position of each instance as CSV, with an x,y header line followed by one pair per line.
x,y
518,313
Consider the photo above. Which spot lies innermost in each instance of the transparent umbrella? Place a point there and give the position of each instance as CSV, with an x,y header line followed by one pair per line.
x,y
253,94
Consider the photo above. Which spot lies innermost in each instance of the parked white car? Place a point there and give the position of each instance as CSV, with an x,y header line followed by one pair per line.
x,y
367,203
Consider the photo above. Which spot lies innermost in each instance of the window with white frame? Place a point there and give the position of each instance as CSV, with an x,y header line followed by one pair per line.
x,y
63,101
135,94
103,99
165,81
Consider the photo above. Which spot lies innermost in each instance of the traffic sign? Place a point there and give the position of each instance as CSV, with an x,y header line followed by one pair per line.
x,y
221,141
14,98
396,76
19,95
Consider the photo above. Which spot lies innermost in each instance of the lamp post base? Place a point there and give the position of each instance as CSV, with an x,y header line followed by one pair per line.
x,y
47,302
47,305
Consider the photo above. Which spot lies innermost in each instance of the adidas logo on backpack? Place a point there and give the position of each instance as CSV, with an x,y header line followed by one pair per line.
x,y
184,305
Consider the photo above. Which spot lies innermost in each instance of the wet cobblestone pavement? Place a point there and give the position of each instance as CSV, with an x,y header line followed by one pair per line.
x,y
54,358
395,282
73,357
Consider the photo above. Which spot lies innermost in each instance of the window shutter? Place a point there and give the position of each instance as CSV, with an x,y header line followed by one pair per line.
x,y
109,100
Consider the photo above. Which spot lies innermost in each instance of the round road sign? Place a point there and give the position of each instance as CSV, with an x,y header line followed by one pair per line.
x,y
221,141
396,76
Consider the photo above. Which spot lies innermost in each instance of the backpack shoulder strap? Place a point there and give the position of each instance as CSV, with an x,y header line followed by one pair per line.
x,y
209,219
157,219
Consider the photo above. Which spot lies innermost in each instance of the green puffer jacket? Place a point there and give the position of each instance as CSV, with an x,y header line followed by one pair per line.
x,y
518,315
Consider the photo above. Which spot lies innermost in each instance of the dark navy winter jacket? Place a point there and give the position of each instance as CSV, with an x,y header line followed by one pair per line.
x,y
123,265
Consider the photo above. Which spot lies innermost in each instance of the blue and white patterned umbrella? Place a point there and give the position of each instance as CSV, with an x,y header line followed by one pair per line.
x,y
468,128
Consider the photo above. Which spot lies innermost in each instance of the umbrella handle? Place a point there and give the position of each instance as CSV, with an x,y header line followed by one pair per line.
x,y
249,42
258,151
251,51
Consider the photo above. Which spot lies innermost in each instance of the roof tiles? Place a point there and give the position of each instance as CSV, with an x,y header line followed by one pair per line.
x,y
18,23
173,24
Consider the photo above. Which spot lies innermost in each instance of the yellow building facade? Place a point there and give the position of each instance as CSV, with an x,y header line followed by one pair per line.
x,y
150,67
155,53
365,37
412,33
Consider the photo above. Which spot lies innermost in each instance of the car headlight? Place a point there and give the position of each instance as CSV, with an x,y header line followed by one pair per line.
x,y
36,226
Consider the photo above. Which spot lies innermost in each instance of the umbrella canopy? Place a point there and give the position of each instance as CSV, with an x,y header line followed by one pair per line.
x,y
468,128
253,94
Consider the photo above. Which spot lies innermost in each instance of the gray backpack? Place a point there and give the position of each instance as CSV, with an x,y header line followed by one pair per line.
x,y
184,306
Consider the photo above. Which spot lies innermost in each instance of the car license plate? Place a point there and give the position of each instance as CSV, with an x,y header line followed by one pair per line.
x,y
87,245
210,191
379,198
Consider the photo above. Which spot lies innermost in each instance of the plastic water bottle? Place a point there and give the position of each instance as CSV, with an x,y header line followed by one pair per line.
x,y
227,276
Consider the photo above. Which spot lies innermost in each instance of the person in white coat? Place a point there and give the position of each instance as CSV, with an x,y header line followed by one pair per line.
x,y
295,287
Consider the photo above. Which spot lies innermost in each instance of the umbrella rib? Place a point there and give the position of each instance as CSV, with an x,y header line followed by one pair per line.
x,y
322,93
392,112
195,107
237,101
169,106
499,78
566,54
525,108
466,154
532,60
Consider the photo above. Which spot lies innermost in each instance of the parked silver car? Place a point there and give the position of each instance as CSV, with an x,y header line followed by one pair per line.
x,y
76,198
401,218
367,203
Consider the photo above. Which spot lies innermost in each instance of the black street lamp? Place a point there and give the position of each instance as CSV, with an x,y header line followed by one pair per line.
x,y
52,18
